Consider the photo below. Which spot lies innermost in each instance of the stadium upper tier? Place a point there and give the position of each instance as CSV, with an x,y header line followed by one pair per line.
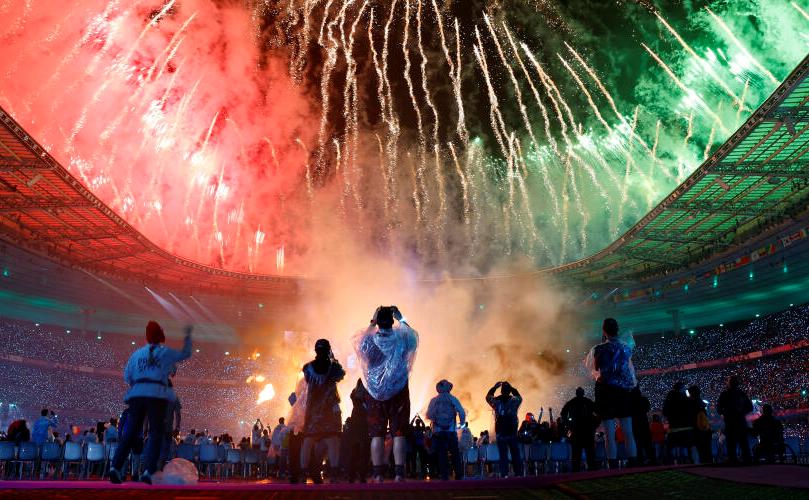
x,y
755,180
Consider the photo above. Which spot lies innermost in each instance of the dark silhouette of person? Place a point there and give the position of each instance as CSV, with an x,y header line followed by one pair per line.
x,y
702,427
640,426
734,405
580,419
770,433
505,407
358,444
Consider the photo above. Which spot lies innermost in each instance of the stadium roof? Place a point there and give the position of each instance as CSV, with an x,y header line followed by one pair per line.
x,y
45,209
755,180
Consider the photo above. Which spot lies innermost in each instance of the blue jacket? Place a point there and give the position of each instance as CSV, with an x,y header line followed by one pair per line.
x,y
148,370
40,433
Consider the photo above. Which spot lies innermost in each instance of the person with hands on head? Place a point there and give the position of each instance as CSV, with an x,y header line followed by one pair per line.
x,y
147,374
386,354
323,419
506,421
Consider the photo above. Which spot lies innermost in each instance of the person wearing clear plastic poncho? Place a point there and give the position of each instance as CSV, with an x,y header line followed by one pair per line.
x,y
386,355
322,417
610,362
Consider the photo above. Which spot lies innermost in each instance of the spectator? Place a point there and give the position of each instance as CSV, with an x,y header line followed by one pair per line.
x,y
640,427
658,435
527,433
18,432
264,442
611,361
387,355
580,419
465,441
418,458
111,434
323,421
770,433
100,430
277,448
702,426
255,434
681,414
358,454
42,427
147,373
734,405
442,411
505,407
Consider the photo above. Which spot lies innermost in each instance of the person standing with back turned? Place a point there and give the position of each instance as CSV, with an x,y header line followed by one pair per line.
x,y
147,373
505,407
386,355
611,361
442,411
734,405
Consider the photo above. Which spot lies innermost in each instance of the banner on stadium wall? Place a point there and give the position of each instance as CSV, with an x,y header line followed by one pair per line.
x,y
725,267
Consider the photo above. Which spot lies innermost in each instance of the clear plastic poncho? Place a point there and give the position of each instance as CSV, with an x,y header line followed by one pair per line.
x,y
614,361
386,358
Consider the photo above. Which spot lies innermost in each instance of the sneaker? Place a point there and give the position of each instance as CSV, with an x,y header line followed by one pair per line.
x,y
146,478
378,479
399,479
115,476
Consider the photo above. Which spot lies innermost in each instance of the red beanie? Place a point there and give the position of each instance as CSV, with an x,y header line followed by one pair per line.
x,y
154,333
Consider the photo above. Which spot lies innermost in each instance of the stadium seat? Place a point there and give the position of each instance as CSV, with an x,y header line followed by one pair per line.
x,y
233,458
27,454
209,458
250,459
94,454
187,452
537,456
471,457
7,454
560,456
491,456
49,453
72,455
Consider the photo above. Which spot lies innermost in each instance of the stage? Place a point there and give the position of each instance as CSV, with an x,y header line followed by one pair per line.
x,y
774,481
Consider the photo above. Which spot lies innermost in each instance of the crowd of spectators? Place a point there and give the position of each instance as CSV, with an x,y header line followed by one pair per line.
x,y
84,401
92,388
718,342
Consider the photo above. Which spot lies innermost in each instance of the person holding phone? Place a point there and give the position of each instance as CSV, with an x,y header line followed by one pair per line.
x,y
386,354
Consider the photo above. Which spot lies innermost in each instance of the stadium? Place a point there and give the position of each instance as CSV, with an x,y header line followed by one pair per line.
x,y
269,173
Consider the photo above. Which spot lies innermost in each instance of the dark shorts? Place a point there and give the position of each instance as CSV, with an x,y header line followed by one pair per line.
x,y
612,402
394,412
